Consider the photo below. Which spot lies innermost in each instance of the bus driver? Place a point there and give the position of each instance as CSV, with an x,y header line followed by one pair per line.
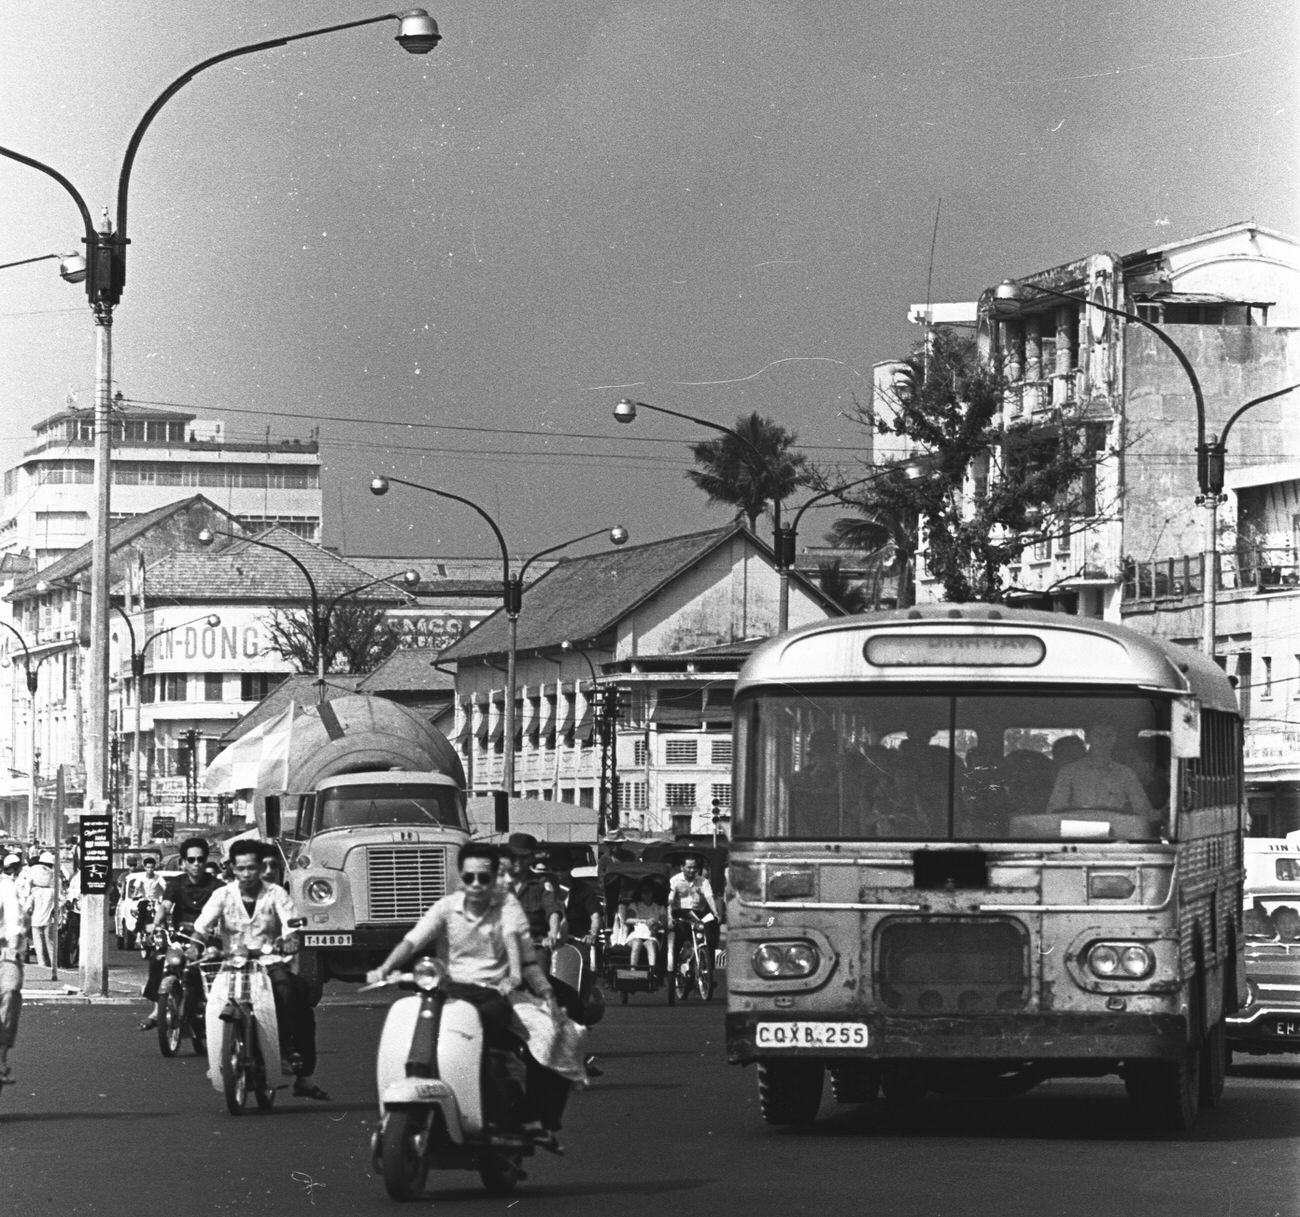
x,y
1097,782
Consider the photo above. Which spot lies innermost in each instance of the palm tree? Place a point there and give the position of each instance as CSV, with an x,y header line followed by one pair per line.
x,y
851,597
751,472
884,525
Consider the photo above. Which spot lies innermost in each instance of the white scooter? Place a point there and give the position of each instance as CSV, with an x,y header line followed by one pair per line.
x,y
431,1106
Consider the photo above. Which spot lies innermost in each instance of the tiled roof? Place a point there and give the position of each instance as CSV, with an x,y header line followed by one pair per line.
x,y
407,671
70,565
241,570
584,597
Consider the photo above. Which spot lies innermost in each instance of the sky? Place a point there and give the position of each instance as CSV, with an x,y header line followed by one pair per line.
x,y
454,265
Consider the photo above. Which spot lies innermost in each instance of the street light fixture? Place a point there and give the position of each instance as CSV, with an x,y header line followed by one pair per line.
x,y
512,591
625,412
1009,295
32,671
138,654
105,278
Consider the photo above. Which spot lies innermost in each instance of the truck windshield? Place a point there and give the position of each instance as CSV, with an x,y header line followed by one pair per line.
x,y
388,803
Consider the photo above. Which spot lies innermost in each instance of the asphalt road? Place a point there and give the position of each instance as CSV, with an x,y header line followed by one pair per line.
x,y
100,1123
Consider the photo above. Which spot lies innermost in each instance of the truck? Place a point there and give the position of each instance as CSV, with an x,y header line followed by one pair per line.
x,y
367,800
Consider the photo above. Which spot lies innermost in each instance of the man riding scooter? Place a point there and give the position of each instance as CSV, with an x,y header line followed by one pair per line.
x,y
481,933
253,913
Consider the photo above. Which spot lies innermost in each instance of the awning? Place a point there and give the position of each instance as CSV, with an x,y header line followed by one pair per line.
x,y
481,731
498,732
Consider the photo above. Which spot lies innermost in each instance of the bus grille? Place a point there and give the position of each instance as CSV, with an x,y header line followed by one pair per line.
x,y
951,966
403,880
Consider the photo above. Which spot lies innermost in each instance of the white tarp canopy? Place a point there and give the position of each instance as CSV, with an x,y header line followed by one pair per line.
x,y
238,767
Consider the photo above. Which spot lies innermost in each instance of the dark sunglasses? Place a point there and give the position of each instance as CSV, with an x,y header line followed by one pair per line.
x,y
474,878
195,858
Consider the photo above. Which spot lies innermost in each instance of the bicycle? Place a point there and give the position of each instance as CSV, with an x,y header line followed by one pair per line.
x,y
693,972
248,1044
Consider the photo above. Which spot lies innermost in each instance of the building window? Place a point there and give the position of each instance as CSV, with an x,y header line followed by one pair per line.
x,y
212,686
586,796
253,686
1266,689
720,752
640,750
720,793
566,796
632,796
681,752
679,794
173,686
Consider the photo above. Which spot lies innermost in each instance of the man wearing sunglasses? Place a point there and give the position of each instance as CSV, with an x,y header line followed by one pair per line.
x,y
182,901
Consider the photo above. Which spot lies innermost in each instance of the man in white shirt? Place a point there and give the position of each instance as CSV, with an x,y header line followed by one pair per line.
x,y
253,913
13,949
690,895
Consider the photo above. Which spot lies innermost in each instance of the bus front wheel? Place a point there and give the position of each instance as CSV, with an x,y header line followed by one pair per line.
x,y
789,1090
1167,1093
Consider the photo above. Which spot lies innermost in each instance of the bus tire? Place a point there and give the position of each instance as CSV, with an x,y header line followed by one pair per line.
x,y
789,1091
855,1082
1214,1048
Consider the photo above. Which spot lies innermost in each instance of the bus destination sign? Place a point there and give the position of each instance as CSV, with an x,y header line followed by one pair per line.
x,y
954,651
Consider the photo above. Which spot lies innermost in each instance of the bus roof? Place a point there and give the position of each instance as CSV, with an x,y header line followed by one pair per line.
x,y
1099,653
388,777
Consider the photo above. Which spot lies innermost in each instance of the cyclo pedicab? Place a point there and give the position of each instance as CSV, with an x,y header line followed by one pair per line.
x,y
623,882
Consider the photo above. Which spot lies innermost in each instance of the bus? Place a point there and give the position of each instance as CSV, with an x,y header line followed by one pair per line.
x,y
975,848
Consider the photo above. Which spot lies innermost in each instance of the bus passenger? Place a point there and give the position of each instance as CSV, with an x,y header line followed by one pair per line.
x,y
1097,782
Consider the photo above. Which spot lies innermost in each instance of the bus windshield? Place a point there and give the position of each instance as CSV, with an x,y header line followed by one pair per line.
x,y
387,803
1024,764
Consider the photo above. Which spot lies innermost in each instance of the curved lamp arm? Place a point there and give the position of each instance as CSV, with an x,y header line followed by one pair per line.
x,y
410,577
32,674
566,645
617,536
206,538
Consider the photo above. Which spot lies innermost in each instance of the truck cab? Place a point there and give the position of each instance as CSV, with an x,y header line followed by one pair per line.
x,y
368,854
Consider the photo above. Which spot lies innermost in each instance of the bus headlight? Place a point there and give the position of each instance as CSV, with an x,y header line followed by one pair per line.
x,y
1120,960
319,891
785,960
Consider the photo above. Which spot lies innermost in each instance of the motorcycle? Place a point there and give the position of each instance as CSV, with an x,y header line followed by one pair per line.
x,y
430,1073
241,1031
182,999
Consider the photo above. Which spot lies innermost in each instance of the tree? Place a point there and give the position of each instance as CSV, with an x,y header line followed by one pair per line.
x,y
987,490
749,475
851,597
359,638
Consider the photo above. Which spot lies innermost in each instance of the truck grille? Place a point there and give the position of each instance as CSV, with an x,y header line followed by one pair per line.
x,y
402,881
951,966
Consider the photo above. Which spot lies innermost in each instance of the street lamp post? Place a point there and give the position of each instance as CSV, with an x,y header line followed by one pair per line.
x,y
1209,453
625,412
104,274
512,591
607,813
138,654
32,671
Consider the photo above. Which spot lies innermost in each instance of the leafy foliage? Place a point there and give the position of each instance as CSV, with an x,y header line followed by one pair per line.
x,y
851,597
359,638
986,491
749,475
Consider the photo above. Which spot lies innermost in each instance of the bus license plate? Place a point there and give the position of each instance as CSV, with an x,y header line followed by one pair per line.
x,y
812,1035
1288,1029
327,940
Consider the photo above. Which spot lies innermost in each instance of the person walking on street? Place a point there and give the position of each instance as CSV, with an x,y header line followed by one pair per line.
x,y
13,950
42,914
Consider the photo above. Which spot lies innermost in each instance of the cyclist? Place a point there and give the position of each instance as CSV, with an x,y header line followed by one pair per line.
x,y
690,897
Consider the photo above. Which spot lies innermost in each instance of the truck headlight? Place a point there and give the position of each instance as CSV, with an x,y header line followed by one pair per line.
x,y
319,891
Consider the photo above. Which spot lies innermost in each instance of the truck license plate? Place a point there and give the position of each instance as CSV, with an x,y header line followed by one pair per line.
x,y
1288,1029
812,1035
327,940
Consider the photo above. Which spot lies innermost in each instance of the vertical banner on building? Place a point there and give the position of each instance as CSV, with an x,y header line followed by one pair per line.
x,y
96,854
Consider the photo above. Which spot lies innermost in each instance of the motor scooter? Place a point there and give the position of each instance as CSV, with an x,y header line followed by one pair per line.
x,y
430,1078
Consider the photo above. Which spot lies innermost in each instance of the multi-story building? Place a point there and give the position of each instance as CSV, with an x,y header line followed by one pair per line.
x,y
157,454
659,630
1139,549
